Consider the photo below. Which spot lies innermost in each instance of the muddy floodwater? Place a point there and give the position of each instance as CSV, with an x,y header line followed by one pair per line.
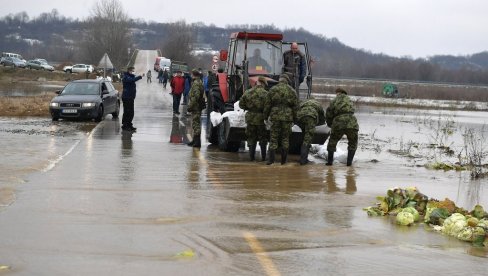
x,y
80,198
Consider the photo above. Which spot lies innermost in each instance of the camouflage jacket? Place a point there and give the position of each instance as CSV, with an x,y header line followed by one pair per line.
x,y
311,108
253,101
340,113
197,99
281,103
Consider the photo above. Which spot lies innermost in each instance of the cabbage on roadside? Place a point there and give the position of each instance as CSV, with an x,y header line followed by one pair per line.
x,y
410,206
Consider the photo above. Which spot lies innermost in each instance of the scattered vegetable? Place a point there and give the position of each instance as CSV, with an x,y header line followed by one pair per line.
x,y
409,205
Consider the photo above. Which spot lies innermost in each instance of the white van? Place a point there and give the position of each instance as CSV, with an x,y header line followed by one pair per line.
x,y
165,63
4,54
162,63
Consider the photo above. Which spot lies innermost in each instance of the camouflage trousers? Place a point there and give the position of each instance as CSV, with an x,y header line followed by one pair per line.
x,y
336,135
307,125
196,123
256,133
280,135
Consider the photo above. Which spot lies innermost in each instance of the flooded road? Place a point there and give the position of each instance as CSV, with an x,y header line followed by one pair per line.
x,y
87,199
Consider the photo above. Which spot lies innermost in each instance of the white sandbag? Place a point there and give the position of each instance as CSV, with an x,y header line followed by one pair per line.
x,y
237,108
296,128
215,118
321,152
236,119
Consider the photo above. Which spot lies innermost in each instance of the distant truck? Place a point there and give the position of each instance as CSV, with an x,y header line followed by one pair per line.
x,y
178,65
162,63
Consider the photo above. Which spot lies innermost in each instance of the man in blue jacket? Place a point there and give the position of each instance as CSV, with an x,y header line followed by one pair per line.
x,y
128,97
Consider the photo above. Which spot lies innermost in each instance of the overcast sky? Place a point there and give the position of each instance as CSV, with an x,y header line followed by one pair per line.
x,y
415,28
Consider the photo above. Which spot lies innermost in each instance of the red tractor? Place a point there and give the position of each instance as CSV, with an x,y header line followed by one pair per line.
x,y
251,55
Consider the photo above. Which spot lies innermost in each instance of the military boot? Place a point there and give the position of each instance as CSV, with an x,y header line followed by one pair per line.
x,y
271,157
196,141
330,158
252,152
263,151
304,154
350,156
284,155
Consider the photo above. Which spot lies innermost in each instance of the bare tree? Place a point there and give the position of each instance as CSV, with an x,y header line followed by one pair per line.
x,y
178,43
108,32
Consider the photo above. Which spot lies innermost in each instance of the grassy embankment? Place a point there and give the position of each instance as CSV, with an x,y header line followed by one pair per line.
x,y
25,92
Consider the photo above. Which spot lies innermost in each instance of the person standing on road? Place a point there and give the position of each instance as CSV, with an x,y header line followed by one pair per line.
x,y
281,109
165,78
253,101
294,65
310,114
340,118
160,76
177,87
149,80
195,105
128,97
188,83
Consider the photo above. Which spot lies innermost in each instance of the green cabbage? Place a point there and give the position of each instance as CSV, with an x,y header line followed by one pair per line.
x,y
413,211
405,218
454,224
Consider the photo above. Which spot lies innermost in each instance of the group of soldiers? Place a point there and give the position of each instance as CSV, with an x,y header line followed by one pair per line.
x,y
280,108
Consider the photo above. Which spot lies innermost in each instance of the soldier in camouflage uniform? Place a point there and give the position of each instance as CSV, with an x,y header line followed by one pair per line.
x,y
340,118
309,115
195,106
253,101
281,108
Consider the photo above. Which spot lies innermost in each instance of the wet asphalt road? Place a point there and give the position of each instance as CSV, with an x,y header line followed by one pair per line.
x,y
136,204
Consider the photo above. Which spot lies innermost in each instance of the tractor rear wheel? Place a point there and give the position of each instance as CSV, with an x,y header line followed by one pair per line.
x,y
212,132
224,143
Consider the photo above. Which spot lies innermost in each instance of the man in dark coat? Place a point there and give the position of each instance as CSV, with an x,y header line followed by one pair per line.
x,y
340,118
294,65
165,78
128,97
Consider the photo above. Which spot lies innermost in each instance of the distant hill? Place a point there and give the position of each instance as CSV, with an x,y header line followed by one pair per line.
x,y
57,38
477,61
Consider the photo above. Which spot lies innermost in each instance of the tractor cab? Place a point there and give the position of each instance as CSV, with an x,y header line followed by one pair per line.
x,y
259,54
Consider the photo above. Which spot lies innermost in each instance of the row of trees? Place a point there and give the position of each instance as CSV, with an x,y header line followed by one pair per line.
x,y
55,37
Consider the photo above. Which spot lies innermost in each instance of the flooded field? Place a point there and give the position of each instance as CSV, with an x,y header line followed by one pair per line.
x,y
85,198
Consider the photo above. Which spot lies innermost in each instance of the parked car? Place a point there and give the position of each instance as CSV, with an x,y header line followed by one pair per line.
x,y
41,60
4,54
78,68
38,65
12,61
86,99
